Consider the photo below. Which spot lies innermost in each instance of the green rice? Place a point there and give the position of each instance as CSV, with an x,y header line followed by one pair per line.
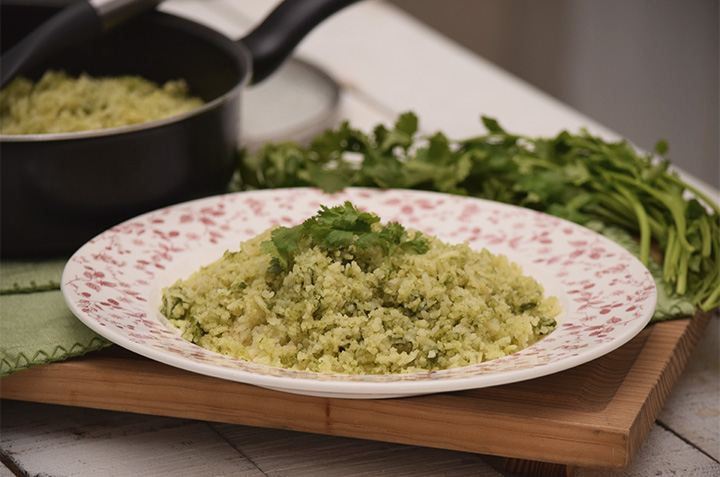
x,y
357,311
59,103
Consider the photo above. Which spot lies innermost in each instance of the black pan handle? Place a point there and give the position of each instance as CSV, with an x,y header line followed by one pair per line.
x,y
271,42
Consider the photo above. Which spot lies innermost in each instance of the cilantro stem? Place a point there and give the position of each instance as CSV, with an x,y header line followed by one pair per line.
x,y
697,192
613,202
705,233
712,299
610,215
643,224
672,250
708,293
615,205
682,272
657,224
674,204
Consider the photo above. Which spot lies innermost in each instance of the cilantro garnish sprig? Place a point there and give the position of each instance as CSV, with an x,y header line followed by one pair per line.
x,y
336,228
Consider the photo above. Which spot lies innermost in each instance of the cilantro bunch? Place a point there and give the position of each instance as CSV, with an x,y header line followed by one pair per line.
x,y
336,228
578,177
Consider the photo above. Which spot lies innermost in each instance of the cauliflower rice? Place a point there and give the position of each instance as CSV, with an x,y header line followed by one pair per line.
x,y
59,103
356,311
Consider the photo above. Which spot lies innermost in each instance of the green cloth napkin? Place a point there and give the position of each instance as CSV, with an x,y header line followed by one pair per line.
x,y
36,326
30,276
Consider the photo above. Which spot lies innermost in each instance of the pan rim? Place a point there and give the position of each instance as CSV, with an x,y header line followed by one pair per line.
x,y
228,45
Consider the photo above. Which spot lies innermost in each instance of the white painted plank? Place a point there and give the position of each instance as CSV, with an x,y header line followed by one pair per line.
x,y
63,441
5,472
662,454
287,453
693,407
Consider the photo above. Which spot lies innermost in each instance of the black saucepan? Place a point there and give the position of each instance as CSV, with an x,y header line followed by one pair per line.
x,y
59,190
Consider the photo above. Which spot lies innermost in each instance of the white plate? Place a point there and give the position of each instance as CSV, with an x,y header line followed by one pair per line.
x,y
114,282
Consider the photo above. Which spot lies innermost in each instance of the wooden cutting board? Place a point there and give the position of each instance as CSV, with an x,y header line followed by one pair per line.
x,y
593,415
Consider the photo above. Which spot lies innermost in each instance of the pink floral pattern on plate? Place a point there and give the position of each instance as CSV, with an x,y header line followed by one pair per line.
x,y
113,283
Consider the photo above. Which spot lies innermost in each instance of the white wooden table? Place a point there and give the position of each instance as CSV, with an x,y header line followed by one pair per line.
x,y
386,63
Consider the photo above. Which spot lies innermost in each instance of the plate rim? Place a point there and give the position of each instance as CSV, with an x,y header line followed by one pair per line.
x,y
349,388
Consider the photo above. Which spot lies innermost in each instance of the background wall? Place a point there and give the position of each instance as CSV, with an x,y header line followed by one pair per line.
x,y
647,69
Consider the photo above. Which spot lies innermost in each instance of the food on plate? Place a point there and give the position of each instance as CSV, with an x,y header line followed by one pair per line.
x,y
343,293
60,103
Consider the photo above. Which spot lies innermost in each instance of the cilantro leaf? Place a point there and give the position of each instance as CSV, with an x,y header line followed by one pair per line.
x,y
338,227
284,241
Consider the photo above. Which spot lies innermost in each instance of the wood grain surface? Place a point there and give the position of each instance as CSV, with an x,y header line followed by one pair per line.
x,y
595,415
